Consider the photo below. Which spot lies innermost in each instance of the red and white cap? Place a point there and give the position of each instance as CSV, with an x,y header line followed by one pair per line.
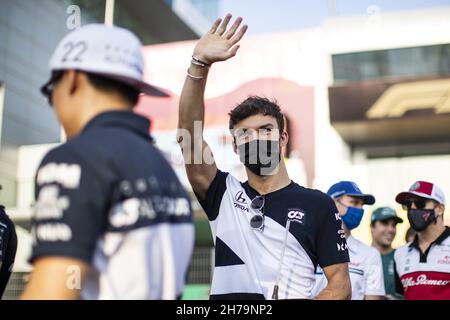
x,y
422,189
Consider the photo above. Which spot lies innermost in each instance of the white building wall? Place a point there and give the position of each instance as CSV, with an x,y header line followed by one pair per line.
x,y
334,161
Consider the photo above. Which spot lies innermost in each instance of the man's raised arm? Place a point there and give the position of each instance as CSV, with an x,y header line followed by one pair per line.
x,y
218,44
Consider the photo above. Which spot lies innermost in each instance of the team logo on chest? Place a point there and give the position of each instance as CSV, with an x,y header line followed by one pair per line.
x,y
444,260
239,197
240,202
296,215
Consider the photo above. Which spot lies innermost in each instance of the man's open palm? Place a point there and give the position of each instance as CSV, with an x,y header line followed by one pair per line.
x,y
220,44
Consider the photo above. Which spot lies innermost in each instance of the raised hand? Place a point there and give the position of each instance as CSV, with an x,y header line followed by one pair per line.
x,y
220,44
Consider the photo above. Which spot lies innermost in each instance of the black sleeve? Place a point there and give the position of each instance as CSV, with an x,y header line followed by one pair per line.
x,y
8,247
331,244
213,197
398,283
71,205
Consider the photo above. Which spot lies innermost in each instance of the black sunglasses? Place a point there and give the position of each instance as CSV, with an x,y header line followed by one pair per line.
x,y
49,86
419,203
257,221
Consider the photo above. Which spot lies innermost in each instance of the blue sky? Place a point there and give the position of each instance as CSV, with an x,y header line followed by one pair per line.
x,y
282,15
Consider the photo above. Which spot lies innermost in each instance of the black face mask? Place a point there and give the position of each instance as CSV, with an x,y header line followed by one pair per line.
x,y
260,156
421,219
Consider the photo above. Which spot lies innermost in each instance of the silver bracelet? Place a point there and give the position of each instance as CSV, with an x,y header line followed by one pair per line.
x,y
199,62
194,77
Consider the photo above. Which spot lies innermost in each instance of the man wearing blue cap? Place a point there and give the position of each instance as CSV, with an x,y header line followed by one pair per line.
x,y
365,267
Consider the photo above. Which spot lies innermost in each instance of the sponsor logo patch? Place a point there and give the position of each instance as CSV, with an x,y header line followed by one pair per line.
x,y
422,280
53,232
239,197
50,204
342,246
65,174
445,260
240,202
296,215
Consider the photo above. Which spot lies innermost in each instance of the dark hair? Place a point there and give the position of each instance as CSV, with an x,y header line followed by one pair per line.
x,y
256,105
106,84
372,223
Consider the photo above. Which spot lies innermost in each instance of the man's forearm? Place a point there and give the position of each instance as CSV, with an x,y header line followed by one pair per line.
x,y
192,114
56,278
192,103
333,292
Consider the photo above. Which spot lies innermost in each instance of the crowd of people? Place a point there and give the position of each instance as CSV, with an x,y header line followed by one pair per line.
x,y
111,215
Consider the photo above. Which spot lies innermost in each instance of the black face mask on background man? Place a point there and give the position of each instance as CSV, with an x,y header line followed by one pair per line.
x,y
420,219
260,156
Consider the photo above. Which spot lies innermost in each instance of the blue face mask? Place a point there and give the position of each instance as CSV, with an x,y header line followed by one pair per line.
x,y
353,217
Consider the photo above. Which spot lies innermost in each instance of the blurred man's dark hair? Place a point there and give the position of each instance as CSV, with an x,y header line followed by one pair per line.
x,y
110,85
106,85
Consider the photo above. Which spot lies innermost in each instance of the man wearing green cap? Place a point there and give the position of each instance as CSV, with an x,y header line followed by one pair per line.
x,y
383,227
